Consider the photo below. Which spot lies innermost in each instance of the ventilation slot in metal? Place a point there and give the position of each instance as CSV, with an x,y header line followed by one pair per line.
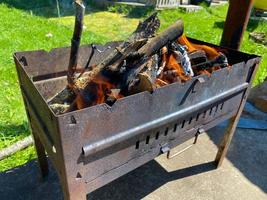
x,y
210,111
157,135
147,139
183,124
222,106
175,127
216,108
190,120
197,117
137,145
166,131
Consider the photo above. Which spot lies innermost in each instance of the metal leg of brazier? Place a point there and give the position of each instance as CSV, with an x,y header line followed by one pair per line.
x,y
228,135
230,130
234,29
41,155
72,190
40,150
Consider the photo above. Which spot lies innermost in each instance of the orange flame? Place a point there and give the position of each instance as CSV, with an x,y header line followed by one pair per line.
x,y
100,89
211,52
96,92
172,63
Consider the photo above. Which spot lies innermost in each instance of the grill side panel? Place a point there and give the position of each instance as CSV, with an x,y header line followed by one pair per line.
x,y
148,145
131,132
100,123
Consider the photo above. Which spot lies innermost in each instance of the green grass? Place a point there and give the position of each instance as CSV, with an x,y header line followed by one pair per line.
x,y
206,25
107,25
21,31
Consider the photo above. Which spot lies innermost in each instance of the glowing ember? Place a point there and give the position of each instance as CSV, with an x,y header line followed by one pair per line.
x,y
98,91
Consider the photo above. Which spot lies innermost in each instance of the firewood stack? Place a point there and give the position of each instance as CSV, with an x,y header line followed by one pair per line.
x,y
144,62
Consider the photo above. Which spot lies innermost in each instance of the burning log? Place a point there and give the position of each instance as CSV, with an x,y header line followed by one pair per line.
x,y
198,56
142,63
60,103
75,42
219,61
144,31
126,61
139,37
174,63
128,66
169,35
210,52
145,80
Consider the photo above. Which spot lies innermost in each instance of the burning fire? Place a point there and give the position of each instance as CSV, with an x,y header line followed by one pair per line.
x,y
171,70
174,72
144,62
211,52
99,91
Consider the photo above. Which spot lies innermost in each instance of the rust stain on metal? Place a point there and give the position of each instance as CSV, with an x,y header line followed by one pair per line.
x,y
93,146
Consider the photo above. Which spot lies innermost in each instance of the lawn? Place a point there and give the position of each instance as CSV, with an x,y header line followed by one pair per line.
x,y
22,31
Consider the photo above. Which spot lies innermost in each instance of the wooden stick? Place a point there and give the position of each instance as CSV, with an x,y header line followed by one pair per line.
x,y
138,39
75,42
145,29
170,34
141,50
22,144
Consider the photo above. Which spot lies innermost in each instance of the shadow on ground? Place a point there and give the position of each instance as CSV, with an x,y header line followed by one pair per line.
x,y
248,153
144,180
49,8
135,185
37,7
22,183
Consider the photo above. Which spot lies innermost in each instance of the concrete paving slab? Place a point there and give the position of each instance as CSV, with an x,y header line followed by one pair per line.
x,y
191,175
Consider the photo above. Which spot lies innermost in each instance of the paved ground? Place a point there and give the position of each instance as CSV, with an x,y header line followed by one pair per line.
x,y
192,175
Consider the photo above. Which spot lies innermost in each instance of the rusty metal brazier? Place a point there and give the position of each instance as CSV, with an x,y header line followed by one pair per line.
x,y
91,147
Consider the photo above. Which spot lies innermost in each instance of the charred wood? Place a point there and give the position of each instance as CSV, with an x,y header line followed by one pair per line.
x,y
75,42
139,37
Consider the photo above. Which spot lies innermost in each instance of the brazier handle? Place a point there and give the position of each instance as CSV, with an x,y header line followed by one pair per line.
x,y
191,89
123,136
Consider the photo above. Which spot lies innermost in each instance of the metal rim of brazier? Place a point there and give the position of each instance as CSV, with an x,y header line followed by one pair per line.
x,y
96,145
